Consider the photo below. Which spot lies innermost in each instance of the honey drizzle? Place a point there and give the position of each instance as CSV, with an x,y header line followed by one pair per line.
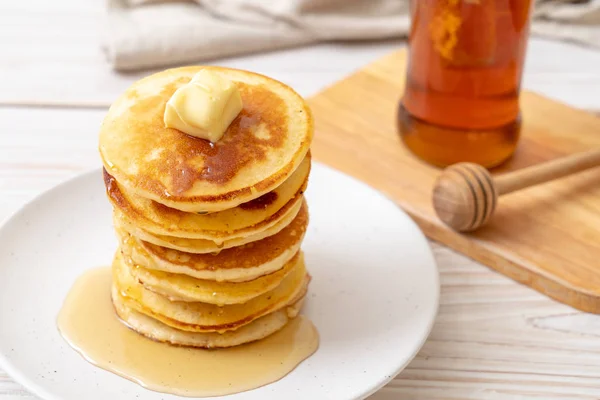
x,y
89,324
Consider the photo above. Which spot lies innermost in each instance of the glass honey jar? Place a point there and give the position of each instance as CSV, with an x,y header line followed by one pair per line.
x,y
461,100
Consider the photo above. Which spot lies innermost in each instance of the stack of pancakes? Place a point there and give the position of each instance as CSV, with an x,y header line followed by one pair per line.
x,y
210,233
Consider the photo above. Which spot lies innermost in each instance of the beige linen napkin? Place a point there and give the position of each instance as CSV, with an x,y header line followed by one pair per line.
x,y
143,34
150,33
574,20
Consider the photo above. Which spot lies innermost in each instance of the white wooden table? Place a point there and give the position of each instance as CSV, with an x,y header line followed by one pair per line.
x,y
494,339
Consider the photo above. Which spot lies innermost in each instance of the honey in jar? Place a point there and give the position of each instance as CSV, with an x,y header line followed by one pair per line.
x,y
461,101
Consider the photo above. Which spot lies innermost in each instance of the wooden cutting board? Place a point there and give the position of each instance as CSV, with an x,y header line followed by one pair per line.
x,y
547,237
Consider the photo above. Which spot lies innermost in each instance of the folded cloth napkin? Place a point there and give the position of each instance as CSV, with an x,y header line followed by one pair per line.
x,y
572,20
144,33
151,33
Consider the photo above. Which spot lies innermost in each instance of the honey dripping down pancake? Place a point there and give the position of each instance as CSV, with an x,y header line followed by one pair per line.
x,y
183,288
262,147
236,264
156,330
243,220
209,233
205,317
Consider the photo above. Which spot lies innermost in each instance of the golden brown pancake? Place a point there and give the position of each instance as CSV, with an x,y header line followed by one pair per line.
x,y
203,246
261,148
179,287
156,330
243,220
203,317
236,264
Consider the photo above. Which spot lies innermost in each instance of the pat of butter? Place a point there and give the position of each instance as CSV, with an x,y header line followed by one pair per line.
x,y
204,107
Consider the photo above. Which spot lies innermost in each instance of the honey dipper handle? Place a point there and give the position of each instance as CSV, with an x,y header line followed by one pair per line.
x,y
547,171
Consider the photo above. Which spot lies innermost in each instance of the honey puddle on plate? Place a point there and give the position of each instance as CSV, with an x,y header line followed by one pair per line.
x,y
88,322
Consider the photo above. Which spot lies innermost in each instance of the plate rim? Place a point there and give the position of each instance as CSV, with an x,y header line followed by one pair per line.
x,y
12,372
38,390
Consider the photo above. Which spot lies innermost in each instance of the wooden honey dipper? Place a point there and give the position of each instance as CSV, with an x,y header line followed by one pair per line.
x,y
465,194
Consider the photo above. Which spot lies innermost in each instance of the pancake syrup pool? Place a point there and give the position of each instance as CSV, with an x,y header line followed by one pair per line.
x,y
87,321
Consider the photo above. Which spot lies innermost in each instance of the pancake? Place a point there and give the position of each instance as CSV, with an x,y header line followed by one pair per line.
x,y
261,148
244,220
179,287
203,317
237,264
156,330
203,246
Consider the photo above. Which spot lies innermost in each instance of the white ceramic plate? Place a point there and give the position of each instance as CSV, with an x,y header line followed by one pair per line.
x,y
373,297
